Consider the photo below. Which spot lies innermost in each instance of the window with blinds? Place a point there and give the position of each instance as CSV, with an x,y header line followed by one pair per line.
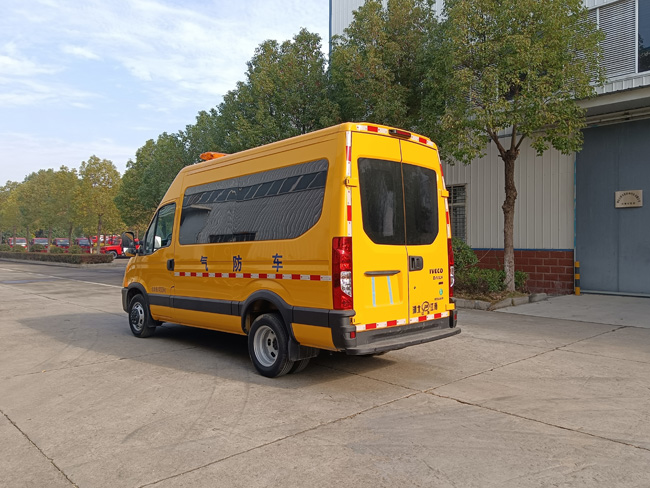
x,y
618,23
458,211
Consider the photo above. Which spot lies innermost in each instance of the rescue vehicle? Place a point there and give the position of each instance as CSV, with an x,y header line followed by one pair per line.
x,y
336,240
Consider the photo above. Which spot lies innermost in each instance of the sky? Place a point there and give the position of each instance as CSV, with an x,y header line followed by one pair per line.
x,y
101,77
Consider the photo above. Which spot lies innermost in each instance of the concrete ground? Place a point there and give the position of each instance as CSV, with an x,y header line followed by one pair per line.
x,y
515,400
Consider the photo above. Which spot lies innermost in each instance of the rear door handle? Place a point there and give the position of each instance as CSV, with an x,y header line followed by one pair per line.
x,y
416,263
388,272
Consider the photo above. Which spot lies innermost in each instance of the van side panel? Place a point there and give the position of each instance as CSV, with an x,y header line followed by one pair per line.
x,y
298,270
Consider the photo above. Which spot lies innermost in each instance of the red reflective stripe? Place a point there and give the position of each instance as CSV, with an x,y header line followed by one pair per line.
x,y
391,323
314,277
247,275
372,128
371,326
349,213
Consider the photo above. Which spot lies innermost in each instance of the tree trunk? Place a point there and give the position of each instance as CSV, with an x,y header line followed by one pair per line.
x,y
509,220
49,239
27,237
99,233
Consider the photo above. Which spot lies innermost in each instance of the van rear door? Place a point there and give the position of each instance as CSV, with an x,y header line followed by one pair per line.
x,y
380,264
426,232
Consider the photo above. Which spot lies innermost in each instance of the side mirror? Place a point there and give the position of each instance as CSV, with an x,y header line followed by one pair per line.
x,y
128,244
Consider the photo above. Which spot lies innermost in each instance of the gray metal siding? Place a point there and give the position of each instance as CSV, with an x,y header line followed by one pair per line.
x,y
544,206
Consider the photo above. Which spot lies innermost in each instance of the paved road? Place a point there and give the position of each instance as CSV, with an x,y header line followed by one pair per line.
x,y
513,401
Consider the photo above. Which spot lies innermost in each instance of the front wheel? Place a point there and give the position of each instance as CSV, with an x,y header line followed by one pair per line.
x,y
268,346
140,321
114,254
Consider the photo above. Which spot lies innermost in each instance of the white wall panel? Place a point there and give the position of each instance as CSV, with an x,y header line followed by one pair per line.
x,y
544,205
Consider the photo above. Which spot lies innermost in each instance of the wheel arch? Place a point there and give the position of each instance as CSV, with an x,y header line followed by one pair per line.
x,y
261,302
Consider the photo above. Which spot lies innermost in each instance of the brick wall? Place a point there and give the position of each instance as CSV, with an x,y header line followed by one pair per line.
x,y
548,271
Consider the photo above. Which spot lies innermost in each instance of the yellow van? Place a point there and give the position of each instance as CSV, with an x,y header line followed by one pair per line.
x,y
336,240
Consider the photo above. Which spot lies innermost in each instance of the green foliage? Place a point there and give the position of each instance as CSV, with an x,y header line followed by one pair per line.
x,y
18,249
516,66
477,281
285,94
379,65
37,248
60,258
100,182
464,256
74,249
56,250
5,248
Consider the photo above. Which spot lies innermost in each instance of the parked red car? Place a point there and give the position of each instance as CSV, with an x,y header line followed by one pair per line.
x,y
113,246
40,240
20,241
61,242
84,243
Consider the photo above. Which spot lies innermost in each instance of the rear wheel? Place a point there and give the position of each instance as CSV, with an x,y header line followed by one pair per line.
x,y
113,253
268,346
140,321
299,365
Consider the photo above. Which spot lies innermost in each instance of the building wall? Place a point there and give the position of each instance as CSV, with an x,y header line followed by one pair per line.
x,y
544,205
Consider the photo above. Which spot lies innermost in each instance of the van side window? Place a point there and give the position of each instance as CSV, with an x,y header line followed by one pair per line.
x,y
159,234
382,201
399,202
282,203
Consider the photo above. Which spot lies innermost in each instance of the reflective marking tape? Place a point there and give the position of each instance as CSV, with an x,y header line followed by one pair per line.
x,y
448,222
265,276
349,211
373,128
384,131
394,323
348,154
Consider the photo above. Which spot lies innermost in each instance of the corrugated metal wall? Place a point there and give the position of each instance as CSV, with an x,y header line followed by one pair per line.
x,y
544,207
341,14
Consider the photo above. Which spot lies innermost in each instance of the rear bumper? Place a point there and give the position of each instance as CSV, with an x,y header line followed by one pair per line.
x,y
392,338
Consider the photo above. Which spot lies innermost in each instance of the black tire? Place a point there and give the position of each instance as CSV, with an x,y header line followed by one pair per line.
x,y
299,365
140,321
114,254
268,346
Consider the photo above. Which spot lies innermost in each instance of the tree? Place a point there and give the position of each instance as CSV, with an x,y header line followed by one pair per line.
x,y
147,178
379,65
99,185
10,217
285,95
509,70
64,188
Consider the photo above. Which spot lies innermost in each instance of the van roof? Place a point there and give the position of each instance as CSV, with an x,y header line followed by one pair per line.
x,y
221,159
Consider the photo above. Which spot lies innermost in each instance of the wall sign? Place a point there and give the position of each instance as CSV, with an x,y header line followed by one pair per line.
x,y
629,199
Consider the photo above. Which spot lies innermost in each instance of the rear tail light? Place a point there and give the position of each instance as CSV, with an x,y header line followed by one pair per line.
x,y
342,273
450,253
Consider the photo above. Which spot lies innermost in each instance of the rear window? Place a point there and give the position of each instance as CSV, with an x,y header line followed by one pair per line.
x,y
399,202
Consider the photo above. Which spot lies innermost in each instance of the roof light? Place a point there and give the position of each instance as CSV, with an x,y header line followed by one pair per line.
x,y
399,133
207,156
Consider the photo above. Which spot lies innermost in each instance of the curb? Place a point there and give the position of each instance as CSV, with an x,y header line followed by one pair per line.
x,y
61,265
507,302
